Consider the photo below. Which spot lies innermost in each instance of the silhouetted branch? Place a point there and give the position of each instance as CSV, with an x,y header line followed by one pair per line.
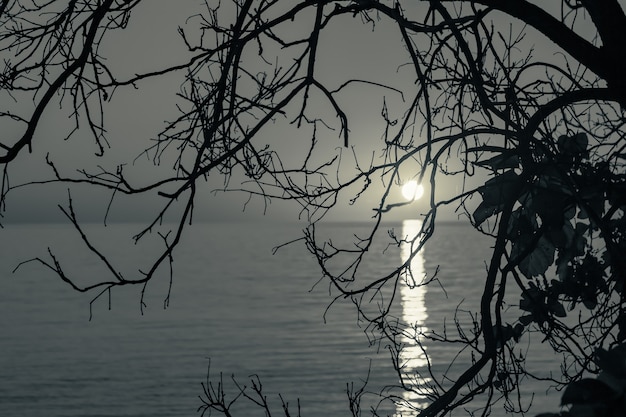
x,y
527,145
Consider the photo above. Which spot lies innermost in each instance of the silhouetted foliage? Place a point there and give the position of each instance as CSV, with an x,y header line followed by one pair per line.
x,y
530,130
604,396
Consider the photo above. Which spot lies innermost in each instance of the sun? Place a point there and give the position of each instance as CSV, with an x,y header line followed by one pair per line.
x,y
412,190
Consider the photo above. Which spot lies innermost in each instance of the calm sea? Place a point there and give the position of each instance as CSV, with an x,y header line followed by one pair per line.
x,y
233,306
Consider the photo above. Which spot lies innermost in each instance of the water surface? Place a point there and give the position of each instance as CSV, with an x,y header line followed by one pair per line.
x,y
233,305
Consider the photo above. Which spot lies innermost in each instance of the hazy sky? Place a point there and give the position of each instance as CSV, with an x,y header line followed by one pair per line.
x,y
151,41
349,49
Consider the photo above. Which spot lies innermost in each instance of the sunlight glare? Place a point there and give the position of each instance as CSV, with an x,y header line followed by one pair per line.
x,y
412,190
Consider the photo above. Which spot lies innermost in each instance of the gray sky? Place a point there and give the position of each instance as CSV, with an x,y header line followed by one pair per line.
x,y
349,49
133,117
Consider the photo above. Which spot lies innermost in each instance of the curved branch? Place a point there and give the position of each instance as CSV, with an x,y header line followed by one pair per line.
x,y
554,29
566,99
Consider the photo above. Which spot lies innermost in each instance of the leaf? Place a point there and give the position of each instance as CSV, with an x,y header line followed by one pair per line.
x,y
496,193
533,301
563,269
562,237
587,410
484,211
613,361
611,381
580,240
521,225
531,298
593,195
505,160
579,143
590,302
506,333
551,178
518,330
499,187
574,145
587,391
538,261
621,324
556,308
616,192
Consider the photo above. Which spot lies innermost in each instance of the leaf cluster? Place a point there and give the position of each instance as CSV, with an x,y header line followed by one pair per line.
x,y
566,211
604,396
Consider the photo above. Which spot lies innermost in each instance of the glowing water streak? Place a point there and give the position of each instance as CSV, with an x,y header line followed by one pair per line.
x,y
412,295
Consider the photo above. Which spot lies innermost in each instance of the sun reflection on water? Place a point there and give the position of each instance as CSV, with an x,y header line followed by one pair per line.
x,y
412,294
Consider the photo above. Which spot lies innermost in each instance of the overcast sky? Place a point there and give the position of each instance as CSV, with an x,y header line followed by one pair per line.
x,y
134,117
151,41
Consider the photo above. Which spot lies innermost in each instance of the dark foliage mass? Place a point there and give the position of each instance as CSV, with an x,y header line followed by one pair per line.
x,y
518,103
